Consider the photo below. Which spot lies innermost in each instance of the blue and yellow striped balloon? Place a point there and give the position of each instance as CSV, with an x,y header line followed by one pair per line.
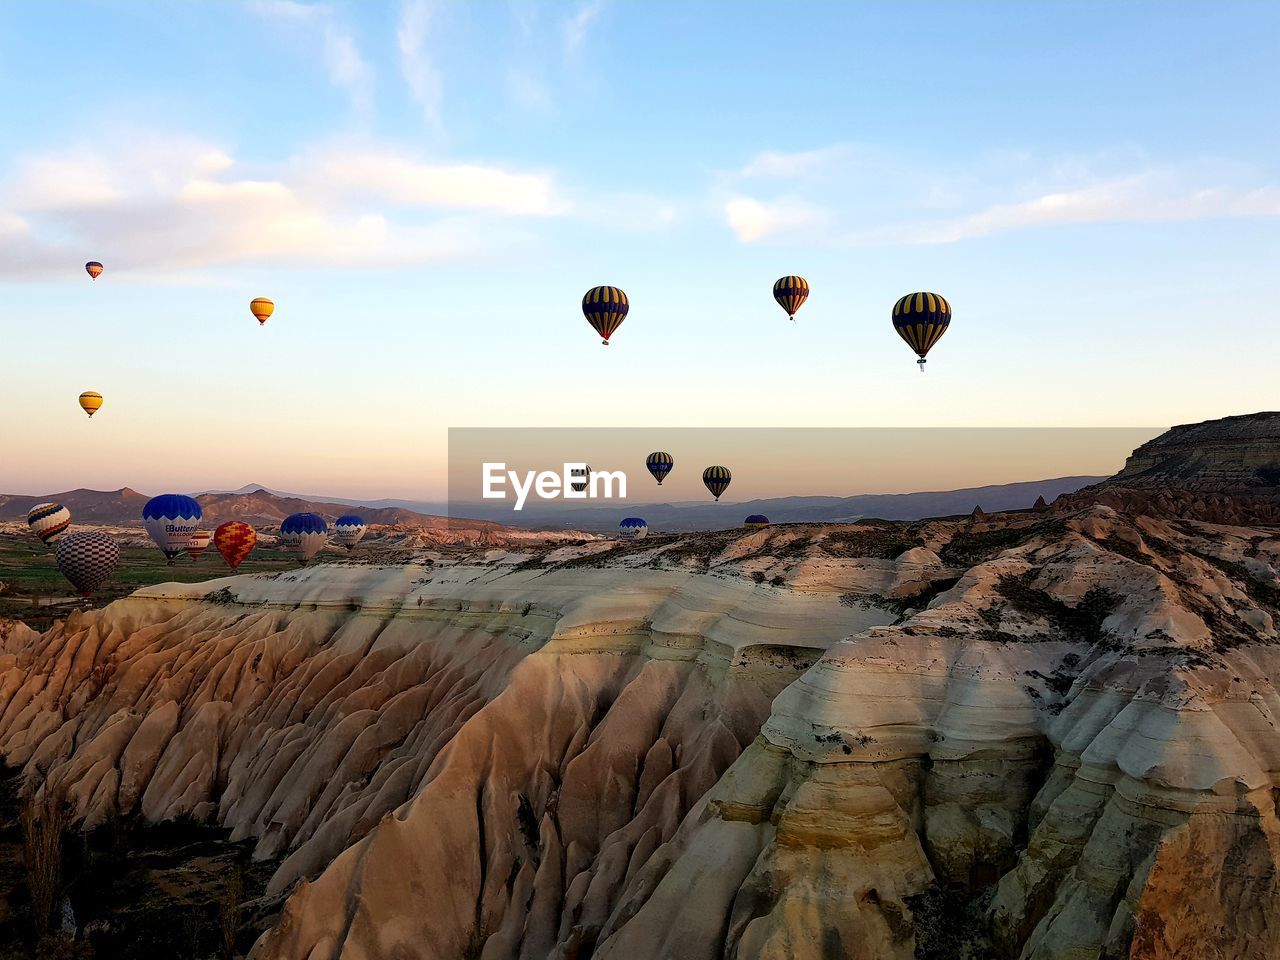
x,y
921,319
791,293
605,308
660,464
717,480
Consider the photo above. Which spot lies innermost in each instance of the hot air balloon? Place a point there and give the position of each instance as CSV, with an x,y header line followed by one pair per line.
x,y
659,465
756,521
198,543
791,293
605,308
921,319
87,559
171,519
94,269
235,541
633,528
48,521
262,308
584,473
304,533
349,530
717,480
90,402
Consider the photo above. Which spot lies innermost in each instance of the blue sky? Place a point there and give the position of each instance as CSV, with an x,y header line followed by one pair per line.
x,y
426,189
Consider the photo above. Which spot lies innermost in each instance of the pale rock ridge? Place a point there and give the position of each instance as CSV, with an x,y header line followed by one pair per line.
x,y
921,754
562,721
1048,725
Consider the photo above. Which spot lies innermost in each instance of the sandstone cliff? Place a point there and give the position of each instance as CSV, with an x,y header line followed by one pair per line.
x,y
1047,736
1222,471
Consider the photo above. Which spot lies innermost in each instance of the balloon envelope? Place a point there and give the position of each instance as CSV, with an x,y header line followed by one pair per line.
x,y
349,530
304,533
198,543
717,480
791,293
262,308
660,464
171,519
633,528
94,269
90,402
582,478
235,540
755,521
920,320
48,521
87,559
605,308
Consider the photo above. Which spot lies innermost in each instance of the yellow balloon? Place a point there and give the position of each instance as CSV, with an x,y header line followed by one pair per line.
x,y
90,402
261,308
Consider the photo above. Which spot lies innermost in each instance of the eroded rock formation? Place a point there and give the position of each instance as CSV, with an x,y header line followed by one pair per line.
x,y
1053,735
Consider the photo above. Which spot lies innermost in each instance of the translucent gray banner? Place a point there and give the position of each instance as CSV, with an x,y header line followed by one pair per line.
x,y
534,478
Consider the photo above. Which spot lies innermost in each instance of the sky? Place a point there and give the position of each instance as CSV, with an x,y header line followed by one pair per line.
x,y
426,188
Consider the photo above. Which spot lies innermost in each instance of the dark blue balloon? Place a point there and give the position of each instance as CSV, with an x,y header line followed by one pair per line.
x,y
171,506
304,523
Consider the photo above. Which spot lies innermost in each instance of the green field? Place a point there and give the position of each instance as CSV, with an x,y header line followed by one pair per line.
x,y
37,594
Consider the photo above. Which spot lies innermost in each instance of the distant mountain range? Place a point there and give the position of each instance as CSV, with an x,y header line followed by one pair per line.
x,y
709,515
265,507
254,504
428,507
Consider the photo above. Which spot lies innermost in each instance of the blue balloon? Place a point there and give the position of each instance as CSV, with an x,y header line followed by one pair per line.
x,y
304,523
171,519
349,529
305,533
633,528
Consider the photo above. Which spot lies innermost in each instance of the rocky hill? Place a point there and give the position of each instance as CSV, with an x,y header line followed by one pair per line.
x,y
1039,735
258,506
1222,471
97,506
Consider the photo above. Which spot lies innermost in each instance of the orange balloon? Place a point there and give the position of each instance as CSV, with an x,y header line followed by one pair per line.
x,y
235,540
90,402
261,308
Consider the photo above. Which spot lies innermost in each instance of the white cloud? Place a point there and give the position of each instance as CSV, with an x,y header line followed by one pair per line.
x,y
1156,197
577,26
164,205
404,181
415,61
12,225
528,92
846,194
754,220
776,164
346,67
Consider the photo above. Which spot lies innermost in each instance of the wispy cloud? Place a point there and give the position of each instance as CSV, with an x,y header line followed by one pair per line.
x,y
844,195
754,220
528,92
1155,197
774,163
344,63
172,203
403,181
577,26
416,64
